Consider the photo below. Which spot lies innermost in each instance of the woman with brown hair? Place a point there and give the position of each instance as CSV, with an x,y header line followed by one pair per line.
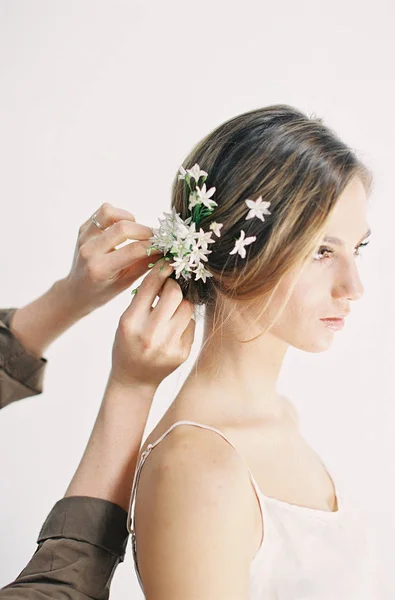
x,y
229,501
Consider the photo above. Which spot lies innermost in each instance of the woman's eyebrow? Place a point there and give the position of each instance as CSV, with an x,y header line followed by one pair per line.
x,y
338,242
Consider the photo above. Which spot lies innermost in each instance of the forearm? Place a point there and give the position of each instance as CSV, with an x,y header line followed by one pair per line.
x,y
107,467
40,322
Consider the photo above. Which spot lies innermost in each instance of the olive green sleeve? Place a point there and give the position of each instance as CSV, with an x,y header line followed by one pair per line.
x,y
80,545
21,372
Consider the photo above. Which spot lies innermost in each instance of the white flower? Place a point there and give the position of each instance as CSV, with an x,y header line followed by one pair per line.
x,y
181,263
204,238
203,196
182,172
181,247
258,208
241,242
216,227
197,254
195,173
193,200
201,273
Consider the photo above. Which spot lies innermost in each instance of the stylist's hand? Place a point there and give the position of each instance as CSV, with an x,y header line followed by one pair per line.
x,y
150,343
99,272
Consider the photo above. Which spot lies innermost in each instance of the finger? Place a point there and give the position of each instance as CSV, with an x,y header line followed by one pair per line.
x,y
106,215
170,297
188,336
181,318
137,268
118,233
128,257
141,305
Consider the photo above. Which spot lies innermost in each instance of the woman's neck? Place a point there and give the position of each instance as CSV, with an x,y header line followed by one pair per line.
x,y
242,376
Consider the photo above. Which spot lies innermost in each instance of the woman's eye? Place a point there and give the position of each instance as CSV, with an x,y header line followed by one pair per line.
x,y
321,252
358,249
324,252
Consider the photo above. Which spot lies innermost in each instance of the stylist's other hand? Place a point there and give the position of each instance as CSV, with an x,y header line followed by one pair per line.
x,y
99,271
151,342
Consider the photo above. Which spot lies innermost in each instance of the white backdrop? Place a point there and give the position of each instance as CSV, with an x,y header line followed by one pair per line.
x,y
100,101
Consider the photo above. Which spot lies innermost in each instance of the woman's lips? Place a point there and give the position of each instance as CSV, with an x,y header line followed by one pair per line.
x,y
335,324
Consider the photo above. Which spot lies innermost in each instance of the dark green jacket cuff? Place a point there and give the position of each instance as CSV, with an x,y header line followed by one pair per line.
x,y
93,520
21,372
80,545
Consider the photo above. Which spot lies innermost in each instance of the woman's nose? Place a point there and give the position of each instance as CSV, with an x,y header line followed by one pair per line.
x,y
349,284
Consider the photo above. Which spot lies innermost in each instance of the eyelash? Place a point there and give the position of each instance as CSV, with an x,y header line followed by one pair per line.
x,y
329,251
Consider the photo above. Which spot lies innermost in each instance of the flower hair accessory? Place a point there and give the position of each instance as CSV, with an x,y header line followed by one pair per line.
x,y
179,239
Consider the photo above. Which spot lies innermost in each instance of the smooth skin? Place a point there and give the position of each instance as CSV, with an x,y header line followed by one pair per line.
x,y
197,518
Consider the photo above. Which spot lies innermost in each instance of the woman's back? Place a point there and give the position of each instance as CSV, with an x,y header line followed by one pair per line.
x,y
232,540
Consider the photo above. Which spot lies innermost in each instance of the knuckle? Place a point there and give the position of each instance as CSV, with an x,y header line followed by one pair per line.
x,y
121,227
106,209
84,252
125,324
147,341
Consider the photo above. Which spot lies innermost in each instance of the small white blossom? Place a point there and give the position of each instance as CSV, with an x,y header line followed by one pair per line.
x,y
202,273
181,246
195,173
180,264
216,227
193,200
258,208
204,238
182,172
201,196
204,196
241,243
197,254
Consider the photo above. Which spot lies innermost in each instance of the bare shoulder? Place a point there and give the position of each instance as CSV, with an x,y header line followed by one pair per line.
x,y
194,459
194,522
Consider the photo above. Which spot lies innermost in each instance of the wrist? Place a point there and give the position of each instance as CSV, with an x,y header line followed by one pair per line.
x,y
42,321
65,299
140,390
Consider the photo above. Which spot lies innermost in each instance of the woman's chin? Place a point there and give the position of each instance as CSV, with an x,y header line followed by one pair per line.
x,y
316,345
